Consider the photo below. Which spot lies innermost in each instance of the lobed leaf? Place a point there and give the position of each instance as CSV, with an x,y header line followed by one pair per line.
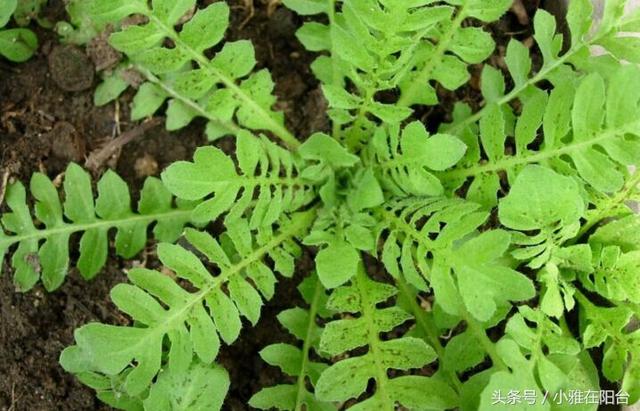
x,y
223,89
294,361
189,322
348,378
437,245
581,136
43,241
265,169
405,161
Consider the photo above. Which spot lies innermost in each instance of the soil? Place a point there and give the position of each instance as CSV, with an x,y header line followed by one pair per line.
x,y
48,119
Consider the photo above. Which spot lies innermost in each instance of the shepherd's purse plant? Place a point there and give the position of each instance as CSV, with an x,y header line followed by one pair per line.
x,y
510,253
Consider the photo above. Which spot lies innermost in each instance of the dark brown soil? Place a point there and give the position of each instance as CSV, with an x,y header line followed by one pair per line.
x,y
47,119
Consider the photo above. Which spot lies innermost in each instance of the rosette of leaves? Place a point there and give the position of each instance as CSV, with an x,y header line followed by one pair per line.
x,y
455,262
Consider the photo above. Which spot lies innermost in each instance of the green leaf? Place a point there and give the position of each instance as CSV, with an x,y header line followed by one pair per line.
x,y
518,62
416,392
483,284
337,263
463,352
349,378
340,98
43,252
624,232
492,133
402,168
577,139
530,120
487,11
315,36
368,193
557,119
54,253
520,378
110,89
135,39
111,11
201,387
222,88
614,275
236,59
443,151
588,114
541,198
281,397
579,19
348,48
179,115
389,113
6,11
147,101
624,48
307,7
207,26
438,228
492,84
545,34
162,60
169,12
284,356
472,44
24,260
323,148
18,45
136,353
210,171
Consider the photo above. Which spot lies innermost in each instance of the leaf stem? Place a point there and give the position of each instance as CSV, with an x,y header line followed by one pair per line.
x,y
368,313
279,130
515,93
425,321
331,12
611,203
435,59
478,331
513,161
7,241
306,347
229,125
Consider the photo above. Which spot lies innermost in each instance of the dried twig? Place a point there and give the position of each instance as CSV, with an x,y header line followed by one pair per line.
x,y
98,157
248,5
521,12
3,184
